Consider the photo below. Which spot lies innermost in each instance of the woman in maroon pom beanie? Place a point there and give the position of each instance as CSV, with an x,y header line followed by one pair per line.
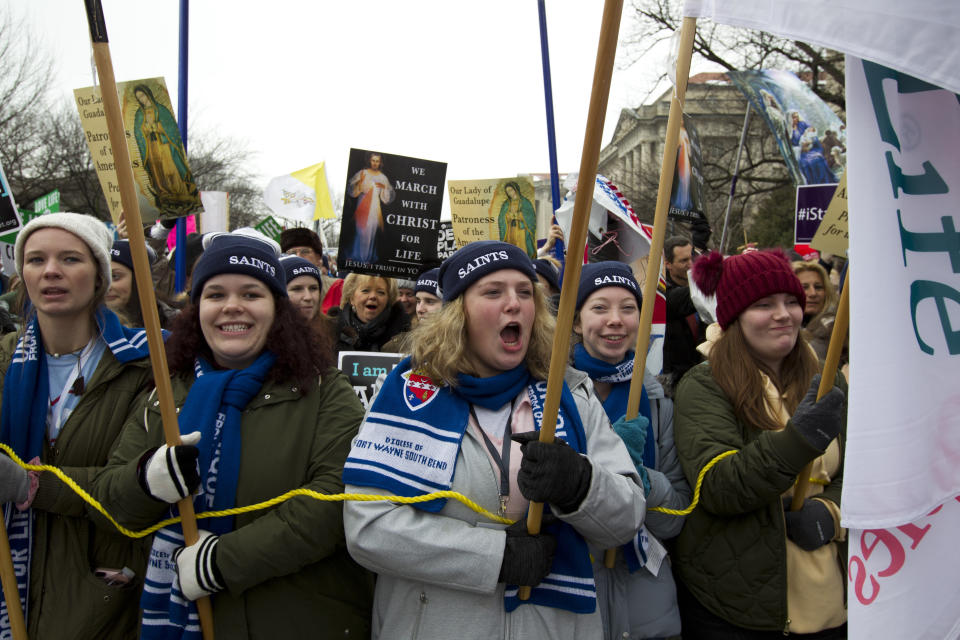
x,y
745,563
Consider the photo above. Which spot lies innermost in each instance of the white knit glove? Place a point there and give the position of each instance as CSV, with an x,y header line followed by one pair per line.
x,y
170,474
197,567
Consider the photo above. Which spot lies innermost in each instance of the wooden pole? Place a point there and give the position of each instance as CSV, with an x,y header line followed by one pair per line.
x,y
837,337
667,168
602,73
141,268
10,592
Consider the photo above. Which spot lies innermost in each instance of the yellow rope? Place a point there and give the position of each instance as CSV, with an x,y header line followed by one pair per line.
x,y
324,497
696,489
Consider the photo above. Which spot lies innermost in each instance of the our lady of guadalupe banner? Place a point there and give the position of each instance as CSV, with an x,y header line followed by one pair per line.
x,y
495,209
165,185
810,136
391,214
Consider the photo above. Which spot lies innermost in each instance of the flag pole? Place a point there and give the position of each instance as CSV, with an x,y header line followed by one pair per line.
x,y
736,174
602,74
180,257
141,264
837,337
667,168
551,127
11,594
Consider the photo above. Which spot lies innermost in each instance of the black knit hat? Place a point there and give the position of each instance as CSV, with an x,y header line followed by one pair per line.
x,y
120,252
300,237
606,274
295,266
548,270
477,259
243,253
429,282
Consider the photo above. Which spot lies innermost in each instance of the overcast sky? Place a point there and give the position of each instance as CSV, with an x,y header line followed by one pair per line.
x,y
302,82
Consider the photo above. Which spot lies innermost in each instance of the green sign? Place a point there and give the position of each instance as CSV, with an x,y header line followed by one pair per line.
x,y
49,203
269,227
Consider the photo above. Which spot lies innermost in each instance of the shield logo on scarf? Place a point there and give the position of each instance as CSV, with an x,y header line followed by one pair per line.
x,y
418,390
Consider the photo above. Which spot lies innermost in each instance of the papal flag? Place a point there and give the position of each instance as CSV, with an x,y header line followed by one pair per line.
x,y
301,195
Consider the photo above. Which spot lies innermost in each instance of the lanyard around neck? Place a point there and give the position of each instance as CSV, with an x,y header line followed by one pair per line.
x,y
502,458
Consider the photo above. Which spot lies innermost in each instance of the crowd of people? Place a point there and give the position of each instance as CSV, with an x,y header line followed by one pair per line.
x,y
263,409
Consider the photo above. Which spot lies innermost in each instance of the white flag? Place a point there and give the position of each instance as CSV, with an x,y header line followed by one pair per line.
x,y
918,37
903,451
902,464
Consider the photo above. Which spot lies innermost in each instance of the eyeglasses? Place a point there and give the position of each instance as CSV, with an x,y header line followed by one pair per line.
x,y
303,252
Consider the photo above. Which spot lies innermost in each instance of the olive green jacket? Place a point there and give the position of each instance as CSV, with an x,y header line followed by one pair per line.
x,y
67,601
286,568
731,553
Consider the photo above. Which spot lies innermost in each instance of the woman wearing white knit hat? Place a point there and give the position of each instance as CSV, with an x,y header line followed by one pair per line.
x,y
68,378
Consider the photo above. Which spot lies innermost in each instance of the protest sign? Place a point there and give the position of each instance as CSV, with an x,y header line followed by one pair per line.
x,y
270,228
832,236
363,368
391,214
810,136
494,209
811,205
164,182
446,242
686,197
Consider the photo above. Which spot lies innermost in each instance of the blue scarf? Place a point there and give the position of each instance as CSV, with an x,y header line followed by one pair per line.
x,y
23,421
215,406
410,440
619,376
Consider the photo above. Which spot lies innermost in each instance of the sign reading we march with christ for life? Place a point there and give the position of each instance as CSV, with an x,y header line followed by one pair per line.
x,y
391,214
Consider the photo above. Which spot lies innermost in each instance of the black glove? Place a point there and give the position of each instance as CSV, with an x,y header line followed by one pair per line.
x,y
812,526
819,422
552,472
526,558
197,567
170,474
700,230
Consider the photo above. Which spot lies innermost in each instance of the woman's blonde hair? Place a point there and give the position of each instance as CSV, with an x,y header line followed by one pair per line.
x,y
439,342
829,293
354,281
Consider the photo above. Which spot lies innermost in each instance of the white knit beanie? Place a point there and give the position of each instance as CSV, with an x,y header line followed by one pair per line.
x,y
92,231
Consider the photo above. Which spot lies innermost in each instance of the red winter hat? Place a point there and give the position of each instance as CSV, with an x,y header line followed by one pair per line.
x,y
739,281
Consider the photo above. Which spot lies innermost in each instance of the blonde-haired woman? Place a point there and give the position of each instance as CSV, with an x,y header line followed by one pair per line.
x,y
462,414
369,313
821,307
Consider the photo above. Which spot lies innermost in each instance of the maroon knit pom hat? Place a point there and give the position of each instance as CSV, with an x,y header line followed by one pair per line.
x,y
739,281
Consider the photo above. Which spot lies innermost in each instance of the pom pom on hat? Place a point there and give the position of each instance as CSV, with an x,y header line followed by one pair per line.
x,y
706,272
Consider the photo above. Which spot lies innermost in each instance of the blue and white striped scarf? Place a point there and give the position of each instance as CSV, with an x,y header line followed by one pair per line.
x,y
215,406
619,376
409,443
23,422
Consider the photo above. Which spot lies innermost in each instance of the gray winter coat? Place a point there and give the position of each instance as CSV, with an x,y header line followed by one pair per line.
x,y
640,604
438,572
